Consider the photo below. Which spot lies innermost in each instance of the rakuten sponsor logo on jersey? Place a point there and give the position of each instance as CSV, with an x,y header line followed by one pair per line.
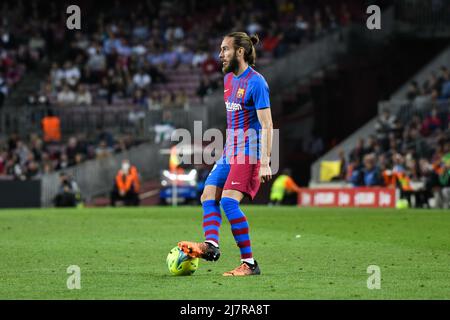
x,y
233,106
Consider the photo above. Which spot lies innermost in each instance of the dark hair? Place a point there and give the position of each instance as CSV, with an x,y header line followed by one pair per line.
x,y
242,39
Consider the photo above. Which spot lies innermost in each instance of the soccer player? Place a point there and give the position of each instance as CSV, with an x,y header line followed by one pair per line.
x,y
245,160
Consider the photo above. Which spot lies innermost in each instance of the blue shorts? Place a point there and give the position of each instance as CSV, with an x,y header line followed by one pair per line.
x,y
218,175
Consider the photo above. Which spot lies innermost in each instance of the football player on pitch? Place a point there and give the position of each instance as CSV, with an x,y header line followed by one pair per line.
x,y
245,161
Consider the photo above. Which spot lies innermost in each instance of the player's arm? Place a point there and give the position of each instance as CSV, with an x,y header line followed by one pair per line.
x,y
265,119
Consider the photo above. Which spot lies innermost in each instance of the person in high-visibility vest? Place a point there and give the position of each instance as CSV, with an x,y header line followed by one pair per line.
x,y
126,186
51,128
282,185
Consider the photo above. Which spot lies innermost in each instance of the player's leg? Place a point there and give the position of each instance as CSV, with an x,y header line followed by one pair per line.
x,y
242,180
212,218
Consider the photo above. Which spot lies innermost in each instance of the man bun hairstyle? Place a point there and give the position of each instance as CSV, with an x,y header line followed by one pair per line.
x,y
248,43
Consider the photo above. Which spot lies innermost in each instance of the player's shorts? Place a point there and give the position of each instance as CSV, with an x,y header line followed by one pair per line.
x,y
241,177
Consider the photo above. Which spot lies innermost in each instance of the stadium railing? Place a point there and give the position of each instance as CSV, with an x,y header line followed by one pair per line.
x,y
87,119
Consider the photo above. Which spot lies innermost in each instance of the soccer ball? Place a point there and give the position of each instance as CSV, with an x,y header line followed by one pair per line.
x,y
180,264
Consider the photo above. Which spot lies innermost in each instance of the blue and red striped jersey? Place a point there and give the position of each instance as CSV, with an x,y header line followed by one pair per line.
x,y
244,95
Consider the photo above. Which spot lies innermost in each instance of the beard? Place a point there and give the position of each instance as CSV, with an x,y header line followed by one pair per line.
x,y
233,65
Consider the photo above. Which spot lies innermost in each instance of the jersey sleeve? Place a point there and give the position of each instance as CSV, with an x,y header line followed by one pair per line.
x,y
260,93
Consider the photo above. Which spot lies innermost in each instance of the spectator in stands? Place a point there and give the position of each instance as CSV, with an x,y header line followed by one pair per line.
x,y
318,25
413,91
444,83
371,145
358,152
154,101
3,90
71,74
431,123
354,172
72,149
139,99
206,87
209,66
83,96
63,162
180,100
443,77
126,185
430,180
301,29
414,141
271,43
430,84
69,192
199,58
253,27
66,96
32,168
51,128
141,80
383,126
96,62
37,44
371,173
103,150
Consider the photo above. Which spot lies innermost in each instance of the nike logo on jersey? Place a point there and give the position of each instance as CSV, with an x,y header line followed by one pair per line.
x,y
226,90
233,183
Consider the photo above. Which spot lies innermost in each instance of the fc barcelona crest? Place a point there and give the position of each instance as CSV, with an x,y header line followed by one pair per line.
x,y
240,93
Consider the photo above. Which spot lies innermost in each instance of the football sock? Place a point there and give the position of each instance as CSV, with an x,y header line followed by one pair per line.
x,y
239,227
212,220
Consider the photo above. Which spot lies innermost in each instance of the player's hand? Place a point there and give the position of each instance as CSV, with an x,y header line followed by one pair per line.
x,y
265,173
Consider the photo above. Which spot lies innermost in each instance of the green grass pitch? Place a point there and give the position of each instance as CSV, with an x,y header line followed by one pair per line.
x,y
303,254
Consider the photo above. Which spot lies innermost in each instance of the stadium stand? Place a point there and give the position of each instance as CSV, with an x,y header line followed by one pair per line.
x,y
157,59
406,146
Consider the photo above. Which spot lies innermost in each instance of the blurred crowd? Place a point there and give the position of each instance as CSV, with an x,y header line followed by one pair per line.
x,y
153,54
410,150
30,159
132,53
21,49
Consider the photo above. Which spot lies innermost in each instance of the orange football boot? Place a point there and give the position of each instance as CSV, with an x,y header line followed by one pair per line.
x,y
244,270
204,250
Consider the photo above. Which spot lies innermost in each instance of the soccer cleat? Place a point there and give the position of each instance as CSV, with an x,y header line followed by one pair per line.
x,y
244,269
204,250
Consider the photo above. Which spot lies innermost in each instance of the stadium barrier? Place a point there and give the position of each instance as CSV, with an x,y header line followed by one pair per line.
x,y
88,119
347,197
96,177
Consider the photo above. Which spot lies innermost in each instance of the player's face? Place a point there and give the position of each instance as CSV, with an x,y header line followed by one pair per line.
x,y
230,62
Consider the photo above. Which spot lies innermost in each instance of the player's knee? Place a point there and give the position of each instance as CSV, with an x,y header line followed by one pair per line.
x,y
229,204
207,195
